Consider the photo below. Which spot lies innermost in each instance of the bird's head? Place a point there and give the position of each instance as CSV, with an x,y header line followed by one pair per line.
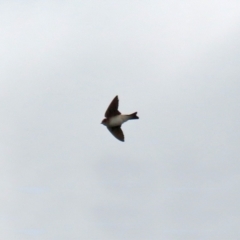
x,y
104,121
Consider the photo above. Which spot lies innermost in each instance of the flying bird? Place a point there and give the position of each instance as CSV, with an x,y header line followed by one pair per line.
x,y
114,119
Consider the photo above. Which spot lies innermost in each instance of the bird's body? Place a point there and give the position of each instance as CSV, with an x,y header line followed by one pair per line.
x,y
117,120
114,119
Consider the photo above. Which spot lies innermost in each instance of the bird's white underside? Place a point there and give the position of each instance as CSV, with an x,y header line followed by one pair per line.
x,y
118,120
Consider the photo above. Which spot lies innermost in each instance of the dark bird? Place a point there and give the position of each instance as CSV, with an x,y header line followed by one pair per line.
x,y
114,119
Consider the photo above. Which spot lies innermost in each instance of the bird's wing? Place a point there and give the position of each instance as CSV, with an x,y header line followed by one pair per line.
x,y
117,133
112,108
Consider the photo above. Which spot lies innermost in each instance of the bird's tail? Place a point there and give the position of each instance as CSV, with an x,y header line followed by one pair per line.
x,y
133,116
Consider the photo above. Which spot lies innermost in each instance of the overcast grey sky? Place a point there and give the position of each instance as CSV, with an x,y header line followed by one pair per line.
x,y
64,176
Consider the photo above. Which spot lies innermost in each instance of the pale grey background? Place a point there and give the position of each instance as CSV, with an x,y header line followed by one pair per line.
x,y
64,176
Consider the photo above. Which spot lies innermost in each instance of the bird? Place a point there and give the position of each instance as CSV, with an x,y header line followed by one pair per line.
x,y
114,119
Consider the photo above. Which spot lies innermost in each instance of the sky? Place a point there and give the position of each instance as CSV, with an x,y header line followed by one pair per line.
x,y
64,176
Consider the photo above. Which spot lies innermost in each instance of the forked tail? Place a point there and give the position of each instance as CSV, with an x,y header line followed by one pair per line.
x,y
133,116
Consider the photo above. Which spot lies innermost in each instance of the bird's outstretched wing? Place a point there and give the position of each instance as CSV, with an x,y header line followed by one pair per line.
x,y
117,132
112,108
